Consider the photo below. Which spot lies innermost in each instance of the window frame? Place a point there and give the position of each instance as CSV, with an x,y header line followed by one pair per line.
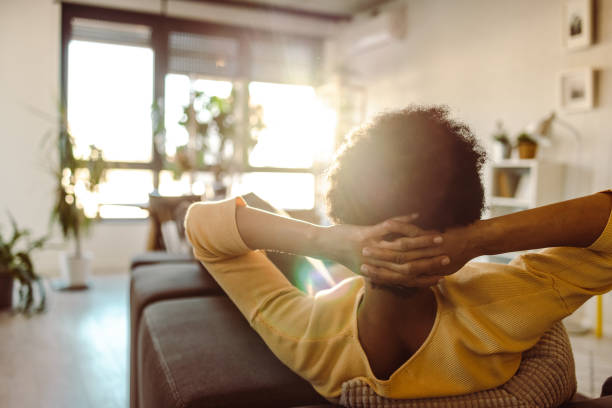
x,y
161,26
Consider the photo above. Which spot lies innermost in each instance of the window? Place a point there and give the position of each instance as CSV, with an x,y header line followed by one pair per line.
x,y
109,90
298,134
117,63
109,99
178,91
122,195
298,128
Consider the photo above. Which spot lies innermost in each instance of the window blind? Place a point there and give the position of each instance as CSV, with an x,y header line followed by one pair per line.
x,y
282,59
109,32
191,53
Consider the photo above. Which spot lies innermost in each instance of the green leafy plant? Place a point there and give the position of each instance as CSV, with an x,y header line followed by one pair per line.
x,y
500,134
15,260
525,137
67,210
501,138
208,116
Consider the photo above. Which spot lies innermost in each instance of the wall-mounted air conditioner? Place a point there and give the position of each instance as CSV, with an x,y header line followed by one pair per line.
x,y
373,30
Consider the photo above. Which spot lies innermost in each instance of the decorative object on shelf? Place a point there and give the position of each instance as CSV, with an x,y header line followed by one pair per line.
x,y
527,146
578,24
542,129
576,90
506,183
16,265
502,149
209,118
68,210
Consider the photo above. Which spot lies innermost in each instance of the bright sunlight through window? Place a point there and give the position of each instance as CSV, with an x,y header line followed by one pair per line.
x,y
299,128
110,91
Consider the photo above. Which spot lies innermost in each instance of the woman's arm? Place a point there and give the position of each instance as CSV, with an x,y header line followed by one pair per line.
x,y
575,223
263,230
340,243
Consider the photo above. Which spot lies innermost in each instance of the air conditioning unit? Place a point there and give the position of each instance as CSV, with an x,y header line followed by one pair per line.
x,y
373,30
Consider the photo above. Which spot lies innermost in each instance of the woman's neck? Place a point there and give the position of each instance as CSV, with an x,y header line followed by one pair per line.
x,y
391,327
382,305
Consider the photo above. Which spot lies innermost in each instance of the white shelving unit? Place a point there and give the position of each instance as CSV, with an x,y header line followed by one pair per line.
x,y
519,184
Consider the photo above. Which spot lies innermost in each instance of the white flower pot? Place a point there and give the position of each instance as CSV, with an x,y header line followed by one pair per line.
x,y
75,272
501,151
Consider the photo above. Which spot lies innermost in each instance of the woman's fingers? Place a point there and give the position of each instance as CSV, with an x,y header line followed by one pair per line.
x,y
398,225
407,244
389,277
403,228
426,266
392,259
430,266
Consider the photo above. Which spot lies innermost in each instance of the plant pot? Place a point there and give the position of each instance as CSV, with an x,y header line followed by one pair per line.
x,y
75,271
501,151
527,150
6,290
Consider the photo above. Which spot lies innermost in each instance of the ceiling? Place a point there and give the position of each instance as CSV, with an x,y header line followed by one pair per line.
x,y
326,9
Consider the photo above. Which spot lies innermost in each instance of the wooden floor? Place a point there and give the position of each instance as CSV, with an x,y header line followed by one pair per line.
x,y
75,355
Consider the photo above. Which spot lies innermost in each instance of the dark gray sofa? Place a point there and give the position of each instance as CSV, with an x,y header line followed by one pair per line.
x,y
191,347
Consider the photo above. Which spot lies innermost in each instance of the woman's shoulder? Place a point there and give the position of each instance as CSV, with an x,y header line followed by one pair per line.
x,y
481,283
334,309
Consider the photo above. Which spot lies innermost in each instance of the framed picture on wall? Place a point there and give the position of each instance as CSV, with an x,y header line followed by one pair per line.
x,y
576,90
578,23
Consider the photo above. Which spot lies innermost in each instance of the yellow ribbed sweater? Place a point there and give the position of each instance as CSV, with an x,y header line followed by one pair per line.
x,y
487,314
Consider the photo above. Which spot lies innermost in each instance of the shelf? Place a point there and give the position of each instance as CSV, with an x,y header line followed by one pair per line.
x,y
509,202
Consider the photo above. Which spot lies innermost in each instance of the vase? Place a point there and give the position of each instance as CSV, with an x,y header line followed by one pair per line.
x,y
501,151
75,271
527,150
6,290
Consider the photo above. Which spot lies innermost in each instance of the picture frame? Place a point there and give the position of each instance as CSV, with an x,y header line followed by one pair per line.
x,y
578,24
576,90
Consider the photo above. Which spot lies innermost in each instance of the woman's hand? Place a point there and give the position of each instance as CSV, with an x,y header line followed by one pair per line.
x,y
417,249
425,258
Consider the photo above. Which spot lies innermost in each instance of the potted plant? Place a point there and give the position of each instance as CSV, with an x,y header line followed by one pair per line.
x,y
207,117
502,146
527,146
16,265
68,210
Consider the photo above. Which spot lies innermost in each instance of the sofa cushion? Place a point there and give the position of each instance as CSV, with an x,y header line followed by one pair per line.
x,y
201,352
156,257
152,283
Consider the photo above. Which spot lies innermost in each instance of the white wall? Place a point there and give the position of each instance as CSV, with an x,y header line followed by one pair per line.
x,y
29,96
492,60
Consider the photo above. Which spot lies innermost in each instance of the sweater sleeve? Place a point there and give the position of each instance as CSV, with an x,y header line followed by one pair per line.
x,y
248,277
577,273
276,309
211,228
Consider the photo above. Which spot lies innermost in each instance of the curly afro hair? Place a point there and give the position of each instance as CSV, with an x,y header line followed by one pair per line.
x,y
411,160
